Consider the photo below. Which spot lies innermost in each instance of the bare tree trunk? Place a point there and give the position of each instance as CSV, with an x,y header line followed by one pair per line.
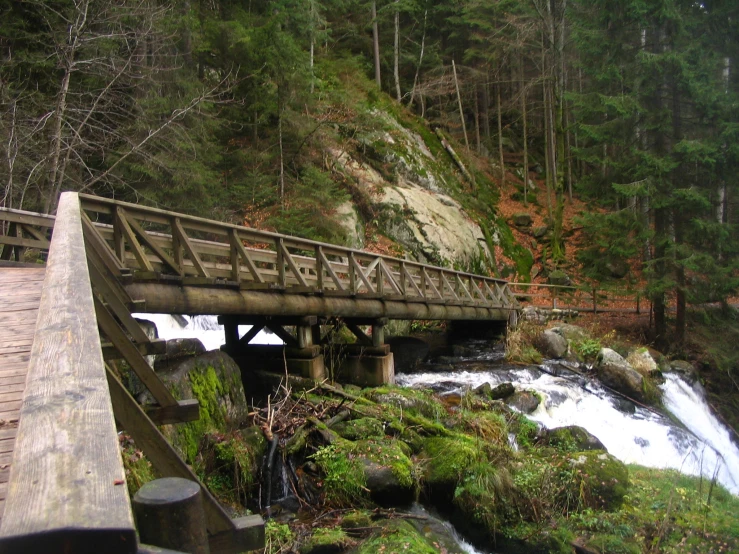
x,y
420,60
501,159
525,135
486,108
396,53
55,148
312,45
282,157
477,121
459,101
376,44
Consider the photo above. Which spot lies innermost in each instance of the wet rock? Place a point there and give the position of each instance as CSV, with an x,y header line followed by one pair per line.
x,y
326,541
552,344
387,471
616,373
397,535
684,369
451,399
525,401
573,438
362,428
178,349
408,353
504,390
462,351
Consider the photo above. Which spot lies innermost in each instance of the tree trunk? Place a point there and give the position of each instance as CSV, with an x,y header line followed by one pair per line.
x,y
525,135
376,45
477,120
396,53
459,101
501,159
420,60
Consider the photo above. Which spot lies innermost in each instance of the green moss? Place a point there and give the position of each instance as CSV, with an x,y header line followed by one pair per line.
x,y
397,536
420,402
388,453
323,537
344,481
447,459
488,426
137,467
358,519
278,537
602,480
362,428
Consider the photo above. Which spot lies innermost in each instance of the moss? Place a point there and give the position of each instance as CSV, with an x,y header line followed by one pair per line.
x,y
602,480
387,453
447,459
326,540
482,496
612,544
420,402
397,536
137,467
344,481
362,428
488,426
409,436
358,519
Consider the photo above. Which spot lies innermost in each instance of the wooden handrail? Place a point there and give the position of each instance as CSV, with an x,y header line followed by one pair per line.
x,y
67,490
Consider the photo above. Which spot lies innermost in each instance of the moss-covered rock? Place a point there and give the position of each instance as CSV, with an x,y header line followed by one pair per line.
x,y
362,428
397,536
214,380
601,480
420,402
445,460
326,541
573,439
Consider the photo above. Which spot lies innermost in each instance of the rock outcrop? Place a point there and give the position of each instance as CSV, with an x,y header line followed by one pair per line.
x,y
616,373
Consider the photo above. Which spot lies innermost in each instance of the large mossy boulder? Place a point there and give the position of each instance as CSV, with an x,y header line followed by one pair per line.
x,y
524,401
601,479
421,402
397,536
376,470
615,372
573,438
445,460
214,380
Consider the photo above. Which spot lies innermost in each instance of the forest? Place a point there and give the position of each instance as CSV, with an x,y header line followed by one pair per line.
x,y
222,108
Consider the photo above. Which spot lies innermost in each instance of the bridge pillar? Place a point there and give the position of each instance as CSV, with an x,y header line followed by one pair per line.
x,y
368,362
300,355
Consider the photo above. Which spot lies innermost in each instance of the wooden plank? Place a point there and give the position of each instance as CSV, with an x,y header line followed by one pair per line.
x,y
62,495
130,353
327,266
179,232
144,236
121,223
245,255
25,243
93,241
291,264
26,218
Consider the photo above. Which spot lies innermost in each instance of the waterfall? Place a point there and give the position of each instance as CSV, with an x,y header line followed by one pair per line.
x,y
631,433
203,327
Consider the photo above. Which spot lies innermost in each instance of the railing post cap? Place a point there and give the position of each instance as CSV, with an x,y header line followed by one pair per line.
x,y
166,491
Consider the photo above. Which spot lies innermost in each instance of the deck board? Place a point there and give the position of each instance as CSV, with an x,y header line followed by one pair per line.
x,y
20,294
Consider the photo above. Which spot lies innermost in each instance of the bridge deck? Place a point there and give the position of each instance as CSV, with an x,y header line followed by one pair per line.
x,y
20,294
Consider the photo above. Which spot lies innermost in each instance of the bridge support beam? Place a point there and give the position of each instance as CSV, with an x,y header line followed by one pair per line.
x,y
368,362
299,355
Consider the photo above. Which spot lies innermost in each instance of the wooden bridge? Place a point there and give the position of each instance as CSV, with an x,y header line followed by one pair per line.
x,y
62,484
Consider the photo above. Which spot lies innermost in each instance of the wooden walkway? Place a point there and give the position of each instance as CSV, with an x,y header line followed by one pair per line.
x,y
20,294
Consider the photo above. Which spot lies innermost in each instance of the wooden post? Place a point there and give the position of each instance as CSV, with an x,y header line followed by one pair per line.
x,y
169,513
595,305
231,330
378,333
638,297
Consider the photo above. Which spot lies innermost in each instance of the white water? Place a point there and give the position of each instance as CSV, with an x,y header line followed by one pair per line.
x,y
203,327
641,437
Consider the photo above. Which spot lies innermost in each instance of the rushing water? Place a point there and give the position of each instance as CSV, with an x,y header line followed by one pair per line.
x,y
629,432
203,327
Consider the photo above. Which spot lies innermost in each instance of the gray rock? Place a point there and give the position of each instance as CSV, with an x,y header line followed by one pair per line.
x,y
408,352
522,220
524,401
684,369
552,344
504,390
178,349
616,373
570,332
539,232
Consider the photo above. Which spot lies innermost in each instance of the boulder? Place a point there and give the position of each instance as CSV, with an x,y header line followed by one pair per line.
x,y
616,373
602,479
525,401
573,438
552,344
408,353
504,390
641,360
178,349
684,369
571,332
539,232
522,220
388,471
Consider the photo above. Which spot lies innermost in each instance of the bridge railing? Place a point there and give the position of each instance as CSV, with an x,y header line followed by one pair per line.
x,y
157,244
581,298
66,491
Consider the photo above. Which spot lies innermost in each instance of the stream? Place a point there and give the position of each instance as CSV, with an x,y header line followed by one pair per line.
x,y
696,443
